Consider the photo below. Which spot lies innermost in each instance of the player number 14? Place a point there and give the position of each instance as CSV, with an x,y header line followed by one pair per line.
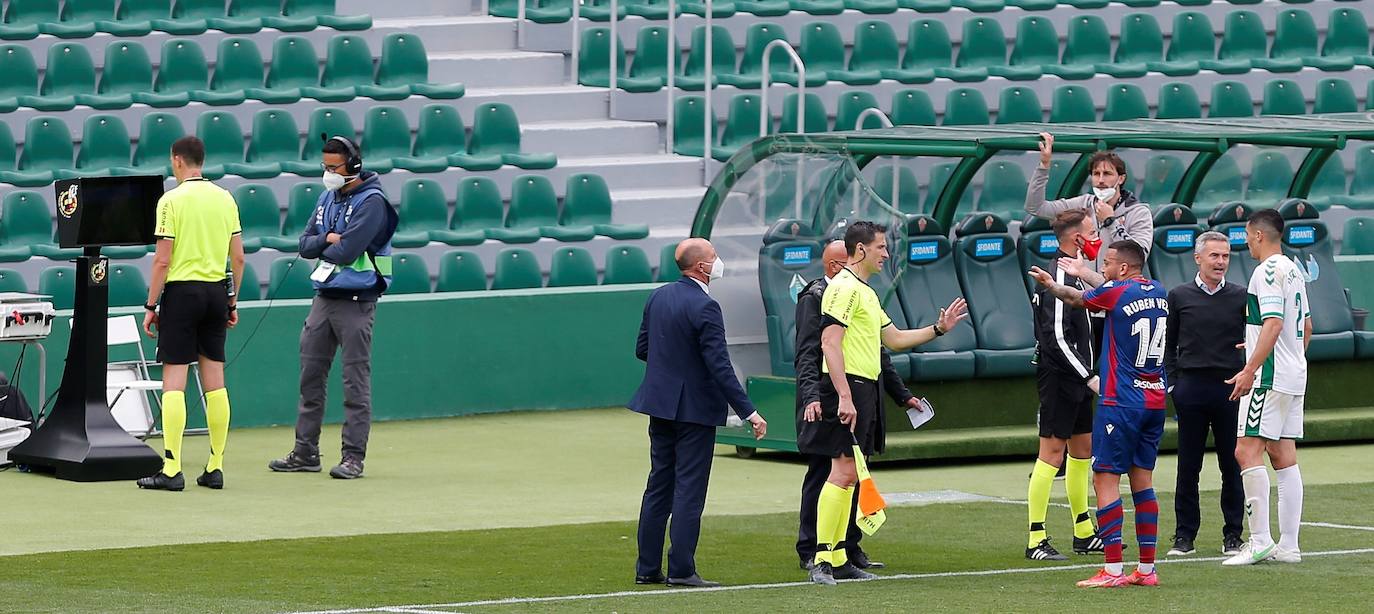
x,y
1151,343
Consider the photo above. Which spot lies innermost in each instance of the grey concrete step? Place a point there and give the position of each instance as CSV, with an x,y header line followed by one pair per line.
x,y
497,68
592,137
408,8
660,209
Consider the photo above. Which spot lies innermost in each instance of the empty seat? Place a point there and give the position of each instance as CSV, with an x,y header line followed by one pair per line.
x,y
1004,188
815,114
1335,96
1178,101
999,310
25,224
1295,46
1087,50
822,51
12,281
127,286
105,144
898,189
440,142
1283,97
1141,49
1270,177
128,73
652,48
250,288
294,67
1171,260
272,147
1358,239
386,135
516,268
912,107
184,72
1230,99
780,67
927,285
157,132
23,18
876,54
60,284
239,69
723,58
47,150
1072,103
571,266
965,106
246,16
587,205
789,258
70,74
496,132
983,46
461,271
743,124
1191,42
928,48
259,214
1036,46
347,67
20,85
299,14
1242,42
1362,180
534,209
850,106
667,266
689,122
223,139
594,66
409,275
1222,184
1329,186
479,210
1124,102
300,208
1347,36
289,278
423,209
1162,174
1018,104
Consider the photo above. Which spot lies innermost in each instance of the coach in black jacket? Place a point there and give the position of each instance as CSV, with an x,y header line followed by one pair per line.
x,y
808,366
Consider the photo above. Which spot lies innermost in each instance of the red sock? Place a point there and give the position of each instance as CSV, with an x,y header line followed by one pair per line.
x,y
1146,523
1109,521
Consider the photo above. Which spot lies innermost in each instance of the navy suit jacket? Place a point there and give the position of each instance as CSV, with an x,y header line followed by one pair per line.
x,y
689,376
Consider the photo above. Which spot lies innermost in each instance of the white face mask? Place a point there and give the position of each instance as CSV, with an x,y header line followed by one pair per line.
x,y
333,181
717,269
1104,194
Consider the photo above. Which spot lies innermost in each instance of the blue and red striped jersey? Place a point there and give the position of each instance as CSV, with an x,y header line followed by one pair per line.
x,y
1132,365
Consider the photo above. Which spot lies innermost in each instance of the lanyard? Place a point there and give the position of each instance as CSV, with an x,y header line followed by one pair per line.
x,y
338,212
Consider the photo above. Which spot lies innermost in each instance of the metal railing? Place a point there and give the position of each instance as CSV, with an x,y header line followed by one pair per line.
x,y
766,118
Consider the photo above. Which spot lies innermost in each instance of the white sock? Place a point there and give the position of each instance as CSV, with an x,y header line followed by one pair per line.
x,y
1255,482
1145,568
1114,569
1290,506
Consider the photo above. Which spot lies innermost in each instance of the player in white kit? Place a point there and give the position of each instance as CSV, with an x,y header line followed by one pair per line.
x,y
1271,387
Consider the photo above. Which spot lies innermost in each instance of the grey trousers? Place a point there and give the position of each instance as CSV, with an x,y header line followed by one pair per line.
x,y
333,323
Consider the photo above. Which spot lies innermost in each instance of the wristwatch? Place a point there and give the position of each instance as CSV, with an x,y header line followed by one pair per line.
x,y
1111,219
939,332
152,308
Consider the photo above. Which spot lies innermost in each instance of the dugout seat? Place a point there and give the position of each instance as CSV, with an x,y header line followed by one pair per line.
x,y
587,205
789,258
516,268
1229,219
928,283
259,214
999,310
423,210
461,271
1171,259
409,275
1306,240
1035,247
572,266
300,205
627,264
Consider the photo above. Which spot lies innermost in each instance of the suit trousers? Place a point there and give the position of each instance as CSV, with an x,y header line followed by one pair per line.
x,y
1202,405
680,455
817,471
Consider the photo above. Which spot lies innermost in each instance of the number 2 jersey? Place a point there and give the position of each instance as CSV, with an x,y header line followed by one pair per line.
x,y
1278,290
1132,364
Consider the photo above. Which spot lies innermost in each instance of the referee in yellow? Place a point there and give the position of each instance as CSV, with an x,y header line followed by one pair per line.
x,y
189,303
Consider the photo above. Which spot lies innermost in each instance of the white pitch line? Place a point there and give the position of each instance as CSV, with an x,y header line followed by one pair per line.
x,y
743,587
1329,525
405,610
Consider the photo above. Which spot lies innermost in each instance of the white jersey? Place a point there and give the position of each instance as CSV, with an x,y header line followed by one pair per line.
x,y
1278,290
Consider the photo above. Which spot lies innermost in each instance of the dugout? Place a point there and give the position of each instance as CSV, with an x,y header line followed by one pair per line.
x,y
952,198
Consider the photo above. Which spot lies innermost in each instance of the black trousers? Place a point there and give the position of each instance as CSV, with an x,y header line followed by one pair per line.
x,y
1202,404
680,467
817,470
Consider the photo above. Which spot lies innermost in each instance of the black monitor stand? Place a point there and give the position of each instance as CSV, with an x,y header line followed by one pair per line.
x,y
80,440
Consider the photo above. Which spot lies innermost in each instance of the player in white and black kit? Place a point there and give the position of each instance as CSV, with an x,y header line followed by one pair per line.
x,y
1271,387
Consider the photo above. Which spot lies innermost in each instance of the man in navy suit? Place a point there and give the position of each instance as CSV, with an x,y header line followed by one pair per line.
x,y
687,385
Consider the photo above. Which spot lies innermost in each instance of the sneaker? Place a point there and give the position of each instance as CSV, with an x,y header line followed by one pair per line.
x,y
1231,545
1183,546
1105,580
823,573
211,479
1089,545
350,468
850,571
1284,555
295,462
1044,552
1249,555
1143,579
161,481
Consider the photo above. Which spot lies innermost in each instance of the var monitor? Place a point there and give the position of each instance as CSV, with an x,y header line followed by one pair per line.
x,y
97,211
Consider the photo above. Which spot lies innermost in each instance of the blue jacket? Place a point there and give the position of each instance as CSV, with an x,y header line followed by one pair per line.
x,y
689,376
365,222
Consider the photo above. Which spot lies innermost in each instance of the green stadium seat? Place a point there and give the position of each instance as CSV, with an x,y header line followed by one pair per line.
x,y
1033,5
386,135
25,222
1243,40
779,64
989,272
1191,43
651,55
534,204
877,54
1036,46
907,195
12,281
250,288
423,209
1087,51
127,287
850,105
1072,103
300,208
439,142
246,16
301,15
1347,36
741,126
1163,172
70,75
912,107
1178,101
689,120
294,67
461,271
939,176
667,266
223,139
815,120
156,134
965,106
625,264
1171,259
980,6
587,204
1270,177
496,131
1335,96
822,51
656,10
1036,246
1222,184
1140,49
571,266
21,81
8,152
259,214
290,278
763,8
928,48
128,74
478,212
594,67
1004,188
516,268
1124,102
1307,242
1283,97
1362,180
24,17
1229,219
928,284
983,46
596,10
409,275
135,17
872,7
1230,99
190,17
81,18
789,258
47,150
1018,104
1358,239
273,146
184,69
1329,186
1295,39
347,66
105,144
239,69
722,9
59,283
325,123
723,61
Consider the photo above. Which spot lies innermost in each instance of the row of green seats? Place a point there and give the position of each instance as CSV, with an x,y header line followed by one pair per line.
x,y
183,75
558,11
26,19
275,145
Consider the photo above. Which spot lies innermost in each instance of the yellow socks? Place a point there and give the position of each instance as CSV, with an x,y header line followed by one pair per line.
x,y
173,425
1038,499
832,511
1077,481
217,418
840,556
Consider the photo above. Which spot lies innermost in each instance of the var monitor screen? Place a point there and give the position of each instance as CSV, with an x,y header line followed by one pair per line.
x,y
99,211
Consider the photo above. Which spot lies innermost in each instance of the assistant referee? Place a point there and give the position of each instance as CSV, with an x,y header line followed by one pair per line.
x,y
189,303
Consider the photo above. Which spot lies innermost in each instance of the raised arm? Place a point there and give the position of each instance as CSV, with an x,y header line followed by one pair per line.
x,y
898,340
1071,296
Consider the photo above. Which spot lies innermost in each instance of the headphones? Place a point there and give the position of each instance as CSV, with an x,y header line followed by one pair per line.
x,y
354,163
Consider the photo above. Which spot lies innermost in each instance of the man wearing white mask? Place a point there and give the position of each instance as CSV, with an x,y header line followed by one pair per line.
x,y
350,237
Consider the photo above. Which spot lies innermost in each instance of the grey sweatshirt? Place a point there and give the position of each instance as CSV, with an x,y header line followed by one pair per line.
x,y
1130,220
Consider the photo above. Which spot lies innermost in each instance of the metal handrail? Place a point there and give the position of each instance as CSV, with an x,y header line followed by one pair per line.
x,y
672,63
896,170
576,39
520,20
706,100
486,8
614,60
765,118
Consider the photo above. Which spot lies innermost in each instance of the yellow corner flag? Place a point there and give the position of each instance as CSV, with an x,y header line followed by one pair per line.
x,y
871,503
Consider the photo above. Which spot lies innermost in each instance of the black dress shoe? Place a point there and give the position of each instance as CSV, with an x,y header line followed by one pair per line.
x,y
692,581
162,481
211,479
860,559
654,579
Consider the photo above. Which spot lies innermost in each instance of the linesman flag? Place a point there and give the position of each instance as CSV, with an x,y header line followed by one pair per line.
x,y
871,503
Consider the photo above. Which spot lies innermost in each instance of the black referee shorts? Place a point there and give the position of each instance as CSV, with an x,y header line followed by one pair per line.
x,y
193,322
827,436
1066,404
